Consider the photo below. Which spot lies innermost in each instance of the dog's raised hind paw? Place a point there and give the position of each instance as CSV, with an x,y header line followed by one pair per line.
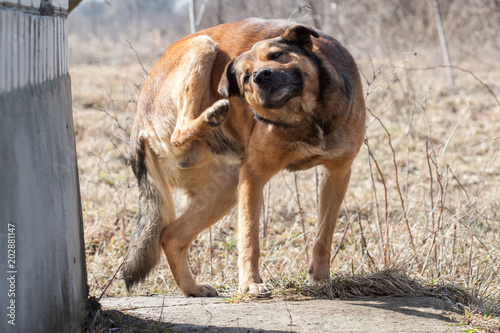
x,y
217,113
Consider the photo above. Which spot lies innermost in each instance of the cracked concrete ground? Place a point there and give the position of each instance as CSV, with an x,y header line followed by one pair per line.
x,y
381,314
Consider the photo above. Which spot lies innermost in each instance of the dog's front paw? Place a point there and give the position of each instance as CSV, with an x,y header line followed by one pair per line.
x,y
202,290
217,113
258,290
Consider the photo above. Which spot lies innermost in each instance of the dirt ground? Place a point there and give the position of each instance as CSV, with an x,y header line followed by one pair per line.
x,y
179,314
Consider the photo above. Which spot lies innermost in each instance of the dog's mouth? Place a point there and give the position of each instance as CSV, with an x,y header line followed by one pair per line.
x,y
274,89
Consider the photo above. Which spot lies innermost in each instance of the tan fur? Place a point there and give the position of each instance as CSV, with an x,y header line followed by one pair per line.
x,y
221,113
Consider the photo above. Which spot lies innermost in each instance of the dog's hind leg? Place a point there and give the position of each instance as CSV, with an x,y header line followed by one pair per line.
x,y
193,129
192,87
210,201
333,188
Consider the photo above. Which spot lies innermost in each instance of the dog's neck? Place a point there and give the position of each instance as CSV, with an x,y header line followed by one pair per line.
x,y
310,133
269,121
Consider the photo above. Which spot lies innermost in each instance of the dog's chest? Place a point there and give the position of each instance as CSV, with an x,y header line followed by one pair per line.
x,y
309,156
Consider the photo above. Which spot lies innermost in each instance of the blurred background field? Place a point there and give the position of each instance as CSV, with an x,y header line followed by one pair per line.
x,y
424,194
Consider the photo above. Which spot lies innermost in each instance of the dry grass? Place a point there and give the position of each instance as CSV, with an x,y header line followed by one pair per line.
x,y
423,196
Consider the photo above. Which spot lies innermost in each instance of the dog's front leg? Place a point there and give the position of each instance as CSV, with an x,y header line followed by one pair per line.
x,y
333,188
266,154
250,199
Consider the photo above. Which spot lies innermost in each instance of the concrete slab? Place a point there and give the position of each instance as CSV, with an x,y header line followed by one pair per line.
x,y
382,314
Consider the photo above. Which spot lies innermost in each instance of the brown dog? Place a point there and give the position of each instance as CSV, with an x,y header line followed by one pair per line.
x,y
223,111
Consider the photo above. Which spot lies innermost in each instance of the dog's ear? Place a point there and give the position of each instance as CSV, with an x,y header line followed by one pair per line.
x,y
228,85
300,34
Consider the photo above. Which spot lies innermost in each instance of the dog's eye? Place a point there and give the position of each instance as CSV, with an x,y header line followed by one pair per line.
x,y
275,55
246,79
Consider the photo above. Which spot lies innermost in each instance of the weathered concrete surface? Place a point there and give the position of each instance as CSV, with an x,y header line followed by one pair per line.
x,y
39,196
382,314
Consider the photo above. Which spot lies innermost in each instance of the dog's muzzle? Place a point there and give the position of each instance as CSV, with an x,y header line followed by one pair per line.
x,y
262,76
276,87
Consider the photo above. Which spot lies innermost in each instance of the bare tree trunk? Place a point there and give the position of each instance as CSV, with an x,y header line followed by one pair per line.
x,y
315,15
442,39
201,12
93,20
192,22
136,18
497,4
219,10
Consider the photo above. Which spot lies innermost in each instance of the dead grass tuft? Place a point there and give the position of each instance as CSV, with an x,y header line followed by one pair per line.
x,y
387,282
479,322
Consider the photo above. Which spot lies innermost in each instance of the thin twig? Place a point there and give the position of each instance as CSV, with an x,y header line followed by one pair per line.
x,y
317,193
431,181
138,58
490,91
341,241
437,243
265,210
116,271
162,307
301,212
210,248
364,247
387,256
405,217
428,157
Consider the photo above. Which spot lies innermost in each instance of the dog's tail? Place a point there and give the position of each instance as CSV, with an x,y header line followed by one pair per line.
x,y
156,210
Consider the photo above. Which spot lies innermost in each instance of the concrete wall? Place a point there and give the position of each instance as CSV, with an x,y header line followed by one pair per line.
x,y
42,262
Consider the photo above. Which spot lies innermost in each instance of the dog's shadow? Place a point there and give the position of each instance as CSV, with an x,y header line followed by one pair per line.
x,y
417,306
117,321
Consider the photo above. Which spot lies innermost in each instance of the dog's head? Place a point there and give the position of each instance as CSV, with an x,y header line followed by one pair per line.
x,y
275,72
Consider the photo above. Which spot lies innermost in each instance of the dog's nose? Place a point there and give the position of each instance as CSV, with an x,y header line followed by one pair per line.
x,y
262,75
